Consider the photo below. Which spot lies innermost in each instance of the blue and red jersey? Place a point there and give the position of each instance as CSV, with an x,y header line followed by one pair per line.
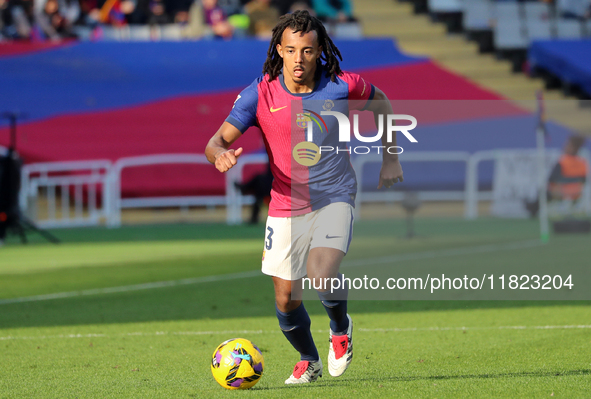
x,y
269,105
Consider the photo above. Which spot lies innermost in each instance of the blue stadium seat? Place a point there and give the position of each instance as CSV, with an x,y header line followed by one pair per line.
x,y
508,11
538,29
509,35
509,31
478,15
445,6
568,29
537,11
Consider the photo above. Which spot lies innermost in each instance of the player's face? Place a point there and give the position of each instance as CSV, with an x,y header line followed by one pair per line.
x,y
299,52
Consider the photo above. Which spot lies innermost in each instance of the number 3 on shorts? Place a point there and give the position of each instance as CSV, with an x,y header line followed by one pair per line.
x,y
269,241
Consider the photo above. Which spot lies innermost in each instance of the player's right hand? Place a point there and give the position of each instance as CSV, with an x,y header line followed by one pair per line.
x,y
227,159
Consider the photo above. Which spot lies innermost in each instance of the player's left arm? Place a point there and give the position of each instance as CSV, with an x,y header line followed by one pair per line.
x,y
391,171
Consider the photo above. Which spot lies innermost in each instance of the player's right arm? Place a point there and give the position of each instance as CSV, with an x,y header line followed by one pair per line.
x,y
218,150
242,116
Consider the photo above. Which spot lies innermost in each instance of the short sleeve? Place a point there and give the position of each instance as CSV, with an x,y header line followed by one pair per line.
x,y
361,92
244,111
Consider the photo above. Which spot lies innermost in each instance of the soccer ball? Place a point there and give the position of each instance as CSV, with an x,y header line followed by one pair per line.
x,y
237,364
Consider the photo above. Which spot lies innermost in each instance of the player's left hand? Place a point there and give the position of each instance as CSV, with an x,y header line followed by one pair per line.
x,y
390,174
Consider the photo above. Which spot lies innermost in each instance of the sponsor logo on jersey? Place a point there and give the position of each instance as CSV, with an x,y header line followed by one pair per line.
x,y
306,153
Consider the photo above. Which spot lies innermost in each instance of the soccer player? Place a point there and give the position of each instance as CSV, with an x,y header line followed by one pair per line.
x,y
310,219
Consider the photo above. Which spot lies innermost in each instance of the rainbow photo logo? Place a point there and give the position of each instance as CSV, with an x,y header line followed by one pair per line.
x,y
307,153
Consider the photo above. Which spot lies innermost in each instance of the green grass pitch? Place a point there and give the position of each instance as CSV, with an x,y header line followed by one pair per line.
x,y
157,342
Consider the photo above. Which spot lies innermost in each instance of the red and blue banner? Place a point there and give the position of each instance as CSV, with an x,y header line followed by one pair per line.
x,y
107,100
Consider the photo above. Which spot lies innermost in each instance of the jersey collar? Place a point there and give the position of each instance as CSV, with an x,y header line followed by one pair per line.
x,y
282,81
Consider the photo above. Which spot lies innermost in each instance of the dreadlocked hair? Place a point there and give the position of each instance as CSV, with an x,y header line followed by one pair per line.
x,y
302,21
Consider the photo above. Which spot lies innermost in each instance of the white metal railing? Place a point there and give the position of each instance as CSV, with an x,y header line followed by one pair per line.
x,y
75,179
232,200
474,195
425,156
76,176
116,202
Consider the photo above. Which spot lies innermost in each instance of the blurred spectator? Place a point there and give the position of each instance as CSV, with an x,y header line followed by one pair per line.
x,y
116,12
157,13
567,179
140,14
181,17
48,18
301,6
90,13
70,10
232,7
55,18
196,25
288,6
334,10
111,12
3,16
216,19
263,17
179,10
577,9
20,13
570,173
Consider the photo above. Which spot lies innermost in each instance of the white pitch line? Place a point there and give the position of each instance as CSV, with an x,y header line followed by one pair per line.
x,y
255,273
136,287
254,332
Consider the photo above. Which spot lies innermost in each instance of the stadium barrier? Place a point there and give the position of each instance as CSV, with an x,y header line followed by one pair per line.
x,y
473,195
167,32
117,202
232,200
176,32
388,196
75,177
